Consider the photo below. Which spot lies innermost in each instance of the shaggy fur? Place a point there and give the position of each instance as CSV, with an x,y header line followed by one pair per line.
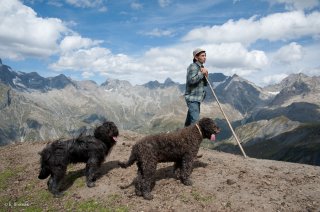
x,y
91,150
180,147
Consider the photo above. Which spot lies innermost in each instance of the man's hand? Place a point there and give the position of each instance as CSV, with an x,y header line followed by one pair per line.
x,y
204,71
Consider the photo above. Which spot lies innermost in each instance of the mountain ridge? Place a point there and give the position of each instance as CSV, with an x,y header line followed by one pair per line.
x,y
24,81
65,109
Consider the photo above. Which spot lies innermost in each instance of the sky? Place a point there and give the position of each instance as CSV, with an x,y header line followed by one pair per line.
x,y
262,41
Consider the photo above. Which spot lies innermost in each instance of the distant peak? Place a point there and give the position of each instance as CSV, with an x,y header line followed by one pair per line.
x,y
156,84
293,78
168,80
235,76
217,77
61,75
152,84
116,83
0,61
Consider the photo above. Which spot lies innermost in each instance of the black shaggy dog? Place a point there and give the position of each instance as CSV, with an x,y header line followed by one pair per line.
x,y
91,150
180,147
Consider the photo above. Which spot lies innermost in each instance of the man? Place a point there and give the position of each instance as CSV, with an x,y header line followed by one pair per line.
x,y
195,85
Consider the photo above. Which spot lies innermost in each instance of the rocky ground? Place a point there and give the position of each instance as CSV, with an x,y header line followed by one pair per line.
x,y
222,182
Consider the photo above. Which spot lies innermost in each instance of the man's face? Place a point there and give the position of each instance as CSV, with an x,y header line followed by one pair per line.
x,y
201,57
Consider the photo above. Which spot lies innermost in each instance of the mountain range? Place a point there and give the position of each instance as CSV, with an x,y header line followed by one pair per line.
x,y
284,116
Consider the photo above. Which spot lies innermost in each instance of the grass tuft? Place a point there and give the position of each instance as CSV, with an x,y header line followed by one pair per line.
x,y
201,198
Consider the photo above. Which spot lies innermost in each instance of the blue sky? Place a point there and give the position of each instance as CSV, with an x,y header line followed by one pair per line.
x,y
261,40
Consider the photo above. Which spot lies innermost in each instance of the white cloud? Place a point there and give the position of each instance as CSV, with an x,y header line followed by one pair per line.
x,y
234,55
164,3
86,3
55,3
136,6
87,75
274,27
24,34
159,33
313,71
274,78
94,59
289,53
297,4
310,61
289,59
161,63
103,9
70,43
155,64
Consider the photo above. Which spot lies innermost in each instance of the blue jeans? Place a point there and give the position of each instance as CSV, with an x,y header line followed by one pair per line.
x,y
193,113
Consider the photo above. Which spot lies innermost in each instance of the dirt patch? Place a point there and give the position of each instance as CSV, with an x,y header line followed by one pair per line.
x,y
222,182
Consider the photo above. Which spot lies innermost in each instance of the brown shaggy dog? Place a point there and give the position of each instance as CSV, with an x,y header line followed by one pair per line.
x,y
180,147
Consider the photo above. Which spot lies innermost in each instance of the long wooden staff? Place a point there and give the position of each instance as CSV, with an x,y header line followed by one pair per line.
x,y
234,134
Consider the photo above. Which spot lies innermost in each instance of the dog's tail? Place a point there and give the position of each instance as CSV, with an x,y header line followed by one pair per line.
x,y
131,161
45,169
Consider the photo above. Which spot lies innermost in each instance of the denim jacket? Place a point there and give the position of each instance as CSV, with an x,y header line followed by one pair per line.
x,y
196,82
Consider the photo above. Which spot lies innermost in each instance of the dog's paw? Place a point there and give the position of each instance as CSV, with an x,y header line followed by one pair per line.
x,y
147,196
187,182
58,194
91,184
177,173
138,192
50,184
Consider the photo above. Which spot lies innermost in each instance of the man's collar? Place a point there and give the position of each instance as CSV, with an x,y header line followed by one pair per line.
x,y
199,64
